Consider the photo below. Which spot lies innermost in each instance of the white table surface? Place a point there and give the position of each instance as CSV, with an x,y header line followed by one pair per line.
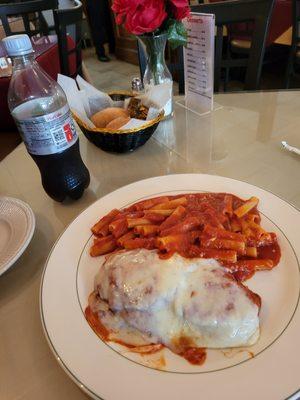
x,y
240,140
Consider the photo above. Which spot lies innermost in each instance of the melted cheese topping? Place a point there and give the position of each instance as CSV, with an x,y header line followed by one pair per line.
x,y
178,302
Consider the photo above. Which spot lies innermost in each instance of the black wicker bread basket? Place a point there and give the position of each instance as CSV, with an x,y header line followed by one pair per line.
x,y
119,141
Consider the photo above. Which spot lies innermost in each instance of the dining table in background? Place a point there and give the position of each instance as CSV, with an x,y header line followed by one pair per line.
x,y
240,139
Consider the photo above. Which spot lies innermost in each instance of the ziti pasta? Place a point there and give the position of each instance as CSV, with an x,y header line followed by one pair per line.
x,y
205,225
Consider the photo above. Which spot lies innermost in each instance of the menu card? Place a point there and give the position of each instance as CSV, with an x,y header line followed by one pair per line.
x,y
199,62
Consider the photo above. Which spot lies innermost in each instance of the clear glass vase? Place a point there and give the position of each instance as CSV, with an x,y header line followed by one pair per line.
x,y
156,71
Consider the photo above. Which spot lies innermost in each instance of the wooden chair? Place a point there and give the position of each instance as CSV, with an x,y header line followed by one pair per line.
x,y
31,14
64,18
230,12
175,67
294,53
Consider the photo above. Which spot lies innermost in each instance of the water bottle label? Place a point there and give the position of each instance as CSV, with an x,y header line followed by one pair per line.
x,y
48,134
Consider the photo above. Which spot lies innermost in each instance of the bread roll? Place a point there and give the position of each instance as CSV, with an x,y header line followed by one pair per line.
x,y
103,117
117,122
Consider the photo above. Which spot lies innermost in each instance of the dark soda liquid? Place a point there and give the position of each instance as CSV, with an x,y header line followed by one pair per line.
x,y
63,174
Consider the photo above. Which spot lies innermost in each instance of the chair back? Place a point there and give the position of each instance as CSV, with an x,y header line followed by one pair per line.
x,y
31,13
296,23
296,20
230,12
69,48
293,57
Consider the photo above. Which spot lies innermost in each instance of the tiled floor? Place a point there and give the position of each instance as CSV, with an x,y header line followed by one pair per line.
x,y
107,76
113,75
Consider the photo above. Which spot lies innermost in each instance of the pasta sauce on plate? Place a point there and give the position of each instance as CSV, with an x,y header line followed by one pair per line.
x,y
205,225
194,355
217,226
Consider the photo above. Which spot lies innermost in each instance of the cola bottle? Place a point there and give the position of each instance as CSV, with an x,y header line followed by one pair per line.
x,y
41,112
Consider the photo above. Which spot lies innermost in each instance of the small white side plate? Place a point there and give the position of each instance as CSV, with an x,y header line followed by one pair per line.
x,y
17,225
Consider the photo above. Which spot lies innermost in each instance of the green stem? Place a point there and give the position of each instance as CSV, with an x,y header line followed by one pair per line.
x,y
155,46
154,63
154,59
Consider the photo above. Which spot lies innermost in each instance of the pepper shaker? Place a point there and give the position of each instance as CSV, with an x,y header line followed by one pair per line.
x,y
137,85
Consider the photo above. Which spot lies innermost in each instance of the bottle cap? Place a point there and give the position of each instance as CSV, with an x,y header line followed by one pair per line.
x,y
17,45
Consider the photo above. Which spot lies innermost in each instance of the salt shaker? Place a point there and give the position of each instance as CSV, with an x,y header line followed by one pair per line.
x,y
137,85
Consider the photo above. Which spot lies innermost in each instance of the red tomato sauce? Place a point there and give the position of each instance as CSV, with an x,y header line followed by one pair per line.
x,y
194,355
189,230
97,326
272,252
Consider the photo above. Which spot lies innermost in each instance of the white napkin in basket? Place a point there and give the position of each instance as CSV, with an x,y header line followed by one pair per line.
x,y
87,100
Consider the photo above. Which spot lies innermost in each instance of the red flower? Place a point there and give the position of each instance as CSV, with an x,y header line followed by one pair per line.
x,y
179,3
180,9
181,13
140,16
122,7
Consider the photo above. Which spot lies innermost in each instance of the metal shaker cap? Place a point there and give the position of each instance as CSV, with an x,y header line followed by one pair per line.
x,y
137,85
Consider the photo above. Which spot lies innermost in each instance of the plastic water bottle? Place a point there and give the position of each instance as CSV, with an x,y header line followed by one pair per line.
x,y
42,115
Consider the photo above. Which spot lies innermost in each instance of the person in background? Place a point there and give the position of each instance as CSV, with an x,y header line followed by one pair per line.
x,y
98,13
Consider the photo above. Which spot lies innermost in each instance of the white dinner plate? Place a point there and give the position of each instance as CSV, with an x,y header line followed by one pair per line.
x,y
17,225
268,370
